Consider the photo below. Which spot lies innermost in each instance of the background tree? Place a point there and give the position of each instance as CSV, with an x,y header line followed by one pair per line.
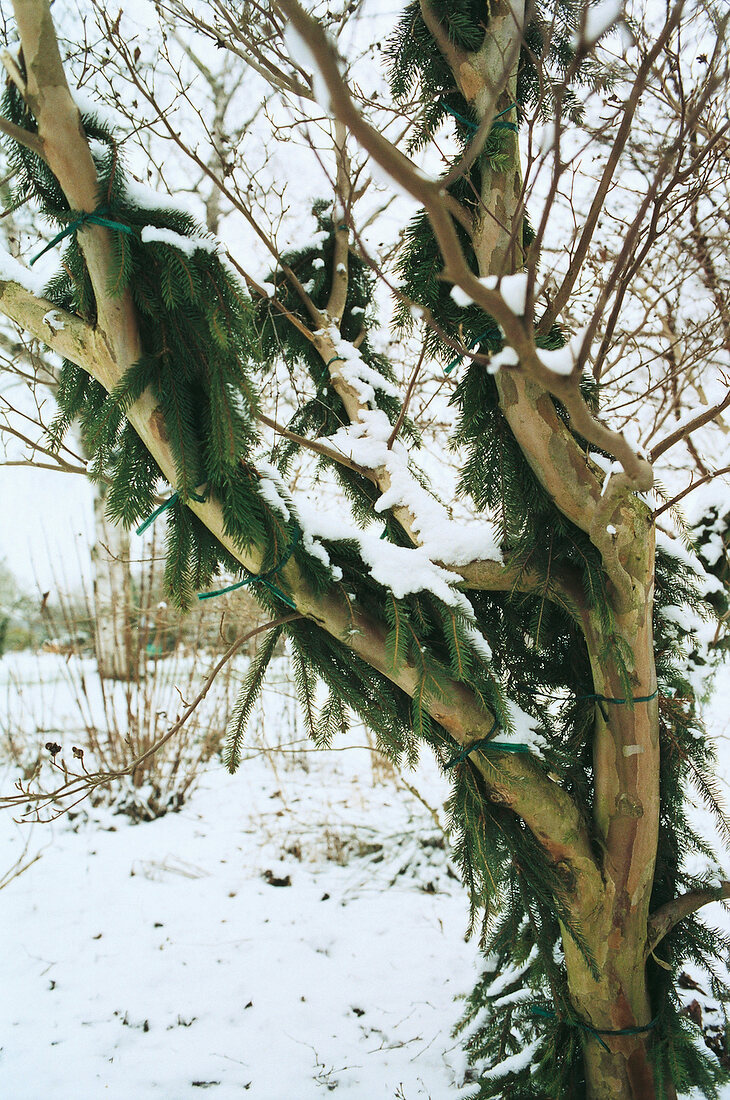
x,y
537,630
27,408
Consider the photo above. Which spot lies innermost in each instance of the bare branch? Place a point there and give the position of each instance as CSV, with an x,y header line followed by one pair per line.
x,y
672,912
343,187
566,287
686,430
23,137
710,476
87,782
319,448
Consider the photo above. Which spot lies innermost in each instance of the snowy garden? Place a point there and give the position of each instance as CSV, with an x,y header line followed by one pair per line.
x,y
365,553
292,930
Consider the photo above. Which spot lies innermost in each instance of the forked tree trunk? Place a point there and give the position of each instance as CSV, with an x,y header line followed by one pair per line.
x,y
614,922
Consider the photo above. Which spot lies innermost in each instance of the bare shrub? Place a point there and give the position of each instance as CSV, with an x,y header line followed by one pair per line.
x,y
60,714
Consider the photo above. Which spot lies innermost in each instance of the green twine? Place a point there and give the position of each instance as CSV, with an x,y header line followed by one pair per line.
x,y
96,217
503,746
157,512
163,508
473,344
621,702
333,359
261,578
596,1032
496,125
486,744
467,121
600,699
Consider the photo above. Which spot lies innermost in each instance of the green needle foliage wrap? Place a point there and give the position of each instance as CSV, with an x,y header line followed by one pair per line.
x,y
414,63
197,332
524,964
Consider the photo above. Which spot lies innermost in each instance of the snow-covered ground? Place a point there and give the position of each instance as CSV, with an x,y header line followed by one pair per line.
x,y
294,930
161,959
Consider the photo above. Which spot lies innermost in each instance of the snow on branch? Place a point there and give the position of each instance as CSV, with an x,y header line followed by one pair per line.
x,y
439,209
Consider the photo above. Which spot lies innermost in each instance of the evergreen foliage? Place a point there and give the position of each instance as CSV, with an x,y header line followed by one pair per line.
x,y
415,65
538,651
524,964
199,347
204,342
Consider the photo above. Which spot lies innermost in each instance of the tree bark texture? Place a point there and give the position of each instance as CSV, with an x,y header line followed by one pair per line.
x,y
614,918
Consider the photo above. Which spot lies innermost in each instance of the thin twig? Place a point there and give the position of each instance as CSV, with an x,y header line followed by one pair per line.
x,y
83,785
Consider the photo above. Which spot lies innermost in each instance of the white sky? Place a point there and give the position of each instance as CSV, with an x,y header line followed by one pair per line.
x,y
45,535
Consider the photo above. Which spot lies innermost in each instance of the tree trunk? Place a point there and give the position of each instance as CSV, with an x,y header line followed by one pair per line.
x,y
626,816
116,649
614,921
617,1067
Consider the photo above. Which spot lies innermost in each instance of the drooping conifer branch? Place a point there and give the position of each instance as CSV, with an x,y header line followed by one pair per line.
x,y
326,338
577,502
517,783
110,348
566,846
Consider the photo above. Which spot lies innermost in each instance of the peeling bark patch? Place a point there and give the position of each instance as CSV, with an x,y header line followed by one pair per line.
x,y
157,423
509,391
628,806
471,82
546,409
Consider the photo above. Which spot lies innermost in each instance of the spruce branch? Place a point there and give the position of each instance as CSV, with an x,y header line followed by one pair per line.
x,y
457,59
519,784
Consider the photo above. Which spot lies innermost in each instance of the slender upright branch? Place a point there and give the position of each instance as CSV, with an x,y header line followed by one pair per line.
x,y
431,194
672,912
